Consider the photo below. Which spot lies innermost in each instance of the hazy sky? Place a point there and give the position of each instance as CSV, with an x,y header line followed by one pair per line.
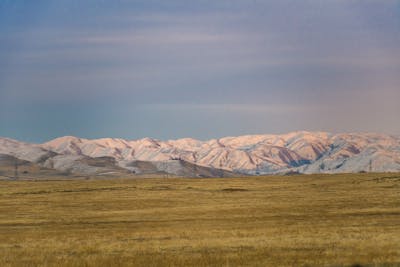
x,y
204,69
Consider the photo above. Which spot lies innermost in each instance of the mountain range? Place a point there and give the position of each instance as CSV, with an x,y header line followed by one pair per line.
x,y
296,152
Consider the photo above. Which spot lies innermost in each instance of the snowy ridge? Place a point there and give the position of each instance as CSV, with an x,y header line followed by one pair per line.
x,y
304,152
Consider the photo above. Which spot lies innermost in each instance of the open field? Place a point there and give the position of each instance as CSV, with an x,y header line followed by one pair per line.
x,y
313,220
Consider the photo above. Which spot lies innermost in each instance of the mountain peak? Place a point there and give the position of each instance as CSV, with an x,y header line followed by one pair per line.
x,y
64,139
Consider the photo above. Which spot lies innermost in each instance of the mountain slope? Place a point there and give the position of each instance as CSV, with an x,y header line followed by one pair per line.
x,y
304,152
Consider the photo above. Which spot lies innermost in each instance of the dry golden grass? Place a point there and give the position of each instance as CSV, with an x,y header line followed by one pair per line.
x,y
315,220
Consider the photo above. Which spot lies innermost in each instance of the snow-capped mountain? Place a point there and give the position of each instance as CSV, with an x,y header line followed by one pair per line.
x,y
304,152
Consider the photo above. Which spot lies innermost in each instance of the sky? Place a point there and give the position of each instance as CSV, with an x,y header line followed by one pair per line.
x,y
202,69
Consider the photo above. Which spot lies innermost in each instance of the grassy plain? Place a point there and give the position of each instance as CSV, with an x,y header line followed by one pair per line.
x,y
303,220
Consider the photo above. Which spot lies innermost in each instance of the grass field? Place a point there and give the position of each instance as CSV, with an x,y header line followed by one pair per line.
x,y
314,220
